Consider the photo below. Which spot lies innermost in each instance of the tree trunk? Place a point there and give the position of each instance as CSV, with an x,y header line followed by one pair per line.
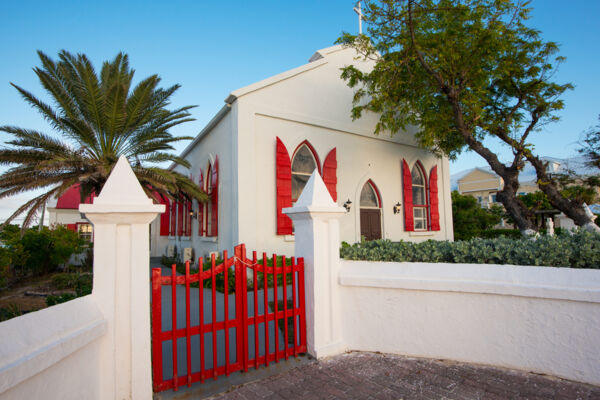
x,y
570,208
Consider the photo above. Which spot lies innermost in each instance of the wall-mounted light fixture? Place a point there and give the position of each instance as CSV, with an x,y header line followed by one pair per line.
x,y
397,208
347,205
193,214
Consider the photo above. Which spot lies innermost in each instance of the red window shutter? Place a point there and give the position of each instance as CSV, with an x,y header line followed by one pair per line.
x,y
188,217
434,203
164,217
179,218
215,199
409,221
201,207
330,173
72,227
283,168
173,218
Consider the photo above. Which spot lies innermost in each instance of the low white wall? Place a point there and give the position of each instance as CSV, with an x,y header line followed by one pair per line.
x,y
53,353
538,319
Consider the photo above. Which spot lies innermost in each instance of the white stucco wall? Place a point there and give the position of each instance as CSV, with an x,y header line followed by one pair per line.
x,y
219,141
540,319
53,353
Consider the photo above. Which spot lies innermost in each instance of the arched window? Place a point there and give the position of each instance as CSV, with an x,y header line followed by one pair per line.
x,y
304,162
370,212
419,195
209,209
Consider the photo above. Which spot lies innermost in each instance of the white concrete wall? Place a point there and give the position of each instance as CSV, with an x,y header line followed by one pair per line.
x,y
53,353
540,319
217,141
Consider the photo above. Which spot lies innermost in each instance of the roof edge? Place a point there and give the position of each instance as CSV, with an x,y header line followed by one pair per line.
x,y
211,124
236,94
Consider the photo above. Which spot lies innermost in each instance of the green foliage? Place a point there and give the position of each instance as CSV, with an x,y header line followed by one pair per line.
x,y
495,233
99,117
579,250
11,311
60,298
469,218
590,145
41,252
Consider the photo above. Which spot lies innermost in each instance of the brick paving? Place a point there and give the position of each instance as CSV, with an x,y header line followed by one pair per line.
x,y
385,376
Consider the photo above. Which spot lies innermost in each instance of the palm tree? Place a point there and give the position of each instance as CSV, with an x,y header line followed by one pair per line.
x,y
97,118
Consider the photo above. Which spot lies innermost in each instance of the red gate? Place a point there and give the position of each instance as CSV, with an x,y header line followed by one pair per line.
x,y
230,328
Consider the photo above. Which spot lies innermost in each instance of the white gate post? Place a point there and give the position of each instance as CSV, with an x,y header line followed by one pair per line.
x,y
317,239
121,215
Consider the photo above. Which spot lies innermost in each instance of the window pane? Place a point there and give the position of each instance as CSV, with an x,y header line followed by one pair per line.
x,y
419,224
298,183
368,198
418,195
418,213
417,178
303,161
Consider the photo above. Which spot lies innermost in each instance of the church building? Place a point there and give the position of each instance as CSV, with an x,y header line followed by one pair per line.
x,y
256,154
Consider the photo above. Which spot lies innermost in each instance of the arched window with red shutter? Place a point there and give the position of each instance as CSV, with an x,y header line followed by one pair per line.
x,y
434,200
304,161
283,173
214,198
330,173
409,224
201,207
420,195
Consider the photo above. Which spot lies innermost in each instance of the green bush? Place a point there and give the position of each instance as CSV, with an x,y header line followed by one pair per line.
x,y
38,252
61,298
495,233
579,250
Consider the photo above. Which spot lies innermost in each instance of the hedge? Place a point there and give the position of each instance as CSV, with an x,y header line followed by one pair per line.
x,y
577,250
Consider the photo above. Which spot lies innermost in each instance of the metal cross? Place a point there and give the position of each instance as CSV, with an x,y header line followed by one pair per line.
x,y
358,10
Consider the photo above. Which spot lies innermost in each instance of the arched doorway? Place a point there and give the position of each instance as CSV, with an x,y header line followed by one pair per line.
x,y
370,212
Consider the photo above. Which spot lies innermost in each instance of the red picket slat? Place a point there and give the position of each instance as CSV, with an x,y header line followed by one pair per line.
x,y
254,284
188,347
241,322
226,304
174,323
285,325
294,332
157,360
266,308
214,314
276,328
201,315
244,307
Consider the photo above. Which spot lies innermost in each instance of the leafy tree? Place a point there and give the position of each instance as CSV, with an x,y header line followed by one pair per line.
x,y
590,145
469,217
98,118
463,71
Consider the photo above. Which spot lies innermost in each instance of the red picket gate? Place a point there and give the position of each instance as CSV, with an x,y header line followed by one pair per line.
x,y
255,283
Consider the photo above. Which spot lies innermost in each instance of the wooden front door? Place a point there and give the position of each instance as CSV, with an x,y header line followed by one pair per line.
x,y
370,223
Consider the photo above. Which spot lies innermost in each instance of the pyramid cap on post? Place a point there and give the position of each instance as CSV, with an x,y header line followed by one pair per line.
x,y
122,186
315,198
122,192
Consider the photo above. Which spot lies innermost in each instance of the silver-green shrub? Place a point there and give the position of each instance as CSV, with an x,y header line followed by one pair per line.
x,y
578,250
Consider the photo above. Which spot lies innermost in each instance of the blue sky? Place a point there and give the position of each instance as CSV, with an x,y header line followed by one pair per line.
x,y
212,48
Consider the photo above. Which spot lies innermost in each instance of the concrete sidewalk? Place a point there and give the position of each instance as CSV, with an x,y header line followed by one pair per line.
x,y
384,376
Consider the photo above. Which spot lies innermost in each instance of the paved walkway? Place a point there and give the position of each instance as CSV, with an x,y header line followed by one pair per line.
x,y
383,376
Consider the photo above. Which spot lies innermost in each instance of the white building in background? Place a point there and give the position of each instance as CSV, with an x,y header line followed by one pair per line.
x,y
255,155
